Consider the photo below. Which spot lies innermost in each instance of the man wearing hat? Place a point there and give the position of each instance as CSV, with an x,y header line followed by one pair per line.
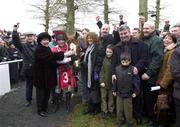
x,y
27,49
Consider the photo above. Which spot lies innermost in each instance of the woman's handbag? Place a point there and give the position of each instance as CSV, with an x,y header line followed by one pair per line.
x,y
162,103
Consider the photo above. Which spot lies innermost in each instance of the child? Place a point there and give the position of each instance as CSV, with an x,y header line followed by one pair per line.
x,y
123,88
107,101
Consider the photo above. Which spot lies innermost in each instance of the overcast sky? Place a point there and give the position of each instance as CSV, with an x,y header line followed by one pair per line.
x,y
13,11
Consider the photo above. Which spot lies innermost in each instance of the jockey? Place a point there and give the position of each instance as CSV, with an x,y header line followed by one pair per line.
x,y
66,77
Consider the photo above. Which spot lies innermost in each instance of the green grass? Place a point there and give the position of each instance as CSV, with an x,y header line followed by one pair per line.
x,y
76,119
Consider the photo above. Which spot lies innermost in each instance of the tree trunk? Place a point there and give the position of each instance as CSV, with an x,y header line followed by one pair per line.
x,y
47,16
157,14
106,11
143,8
70,17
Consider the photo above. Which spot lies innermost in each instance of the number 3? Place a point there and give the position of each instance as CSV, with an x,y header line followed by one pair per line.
x,y
65,79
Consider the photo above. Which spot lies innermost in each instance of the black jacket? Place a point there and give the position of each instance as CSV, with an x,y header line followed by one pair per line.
x,y
124,84
27,50
138,51
175,70
44,67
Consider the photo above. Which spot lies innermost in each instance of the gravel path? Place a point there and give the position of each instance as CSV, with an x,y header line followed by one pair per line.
x,y
14,114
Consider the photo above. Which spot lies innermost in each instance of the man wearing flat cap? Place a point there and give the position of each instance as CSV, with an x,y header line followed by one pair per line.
x,y
27,49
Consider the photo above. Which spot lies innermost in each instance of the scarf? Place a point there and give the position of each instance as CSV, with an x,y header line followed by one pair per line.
x,y
88,54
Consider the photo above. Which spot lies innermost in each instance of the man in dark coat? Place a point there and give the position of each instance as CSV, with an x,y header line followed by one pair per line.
x,y
26,49
13,54
175,70
138,51
155,57
134,46
44,71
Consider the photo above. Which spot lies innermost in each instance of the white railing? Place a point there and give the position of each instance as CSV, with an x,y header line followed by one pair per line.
x,y
5,85
11,61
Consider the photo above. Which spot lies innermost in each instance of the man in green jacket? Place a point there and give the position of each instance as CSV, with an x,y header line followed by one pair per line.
x,y
155,56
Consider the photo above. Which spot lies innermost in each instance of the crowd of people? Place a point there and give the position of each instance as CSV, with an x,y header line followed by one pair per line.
x,y
119,71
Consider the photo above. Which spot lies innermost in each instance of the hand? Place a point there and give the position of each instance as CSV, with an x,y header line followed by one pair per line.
x,y
133,95
114,93
74,58
15,27
141,19
135,71
145,76
102,84
69,88
157,82
114,78
97,18
114,27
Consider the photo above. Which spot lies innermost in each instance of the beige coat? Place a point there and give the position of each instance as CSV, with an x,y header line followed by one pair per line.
x,y
165,77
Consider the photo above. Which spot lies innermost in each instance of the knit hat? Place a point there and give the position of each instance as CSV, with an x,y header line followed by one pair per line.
x,y
43,35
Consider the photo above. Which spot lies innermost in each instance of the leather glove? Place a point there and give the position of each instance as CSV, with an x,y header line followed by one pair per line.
x,y
96,76
74,58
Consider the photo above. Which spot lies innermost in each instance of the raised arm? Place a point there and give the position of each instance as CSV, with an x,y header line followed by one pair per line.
x,y
16,39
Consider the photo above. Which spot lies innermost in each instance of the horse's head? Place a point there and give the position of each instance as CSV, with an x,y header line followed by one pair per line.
x,y
73,42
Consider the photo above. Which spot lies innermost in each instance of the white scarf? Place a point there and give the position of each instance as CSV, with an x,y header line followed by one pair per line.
x,y
88,53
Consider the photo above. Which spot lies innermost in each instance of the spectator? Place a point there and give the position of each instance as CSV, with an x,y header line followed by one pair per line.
x,y
165,78
53,42
136,32
27,49
176,32
3,51
121,20
44,71
124,90
92,63
155,57
138,51
13,54
175,70
166,26
83,46
175,64
107,100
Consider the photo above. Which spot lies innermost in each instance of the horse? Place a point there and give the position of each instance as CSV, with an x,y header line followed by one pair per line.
x,y
74,45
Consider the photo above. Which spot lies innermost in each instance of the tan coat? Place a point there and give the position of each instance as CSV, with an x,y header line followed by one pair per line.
x,y
165,76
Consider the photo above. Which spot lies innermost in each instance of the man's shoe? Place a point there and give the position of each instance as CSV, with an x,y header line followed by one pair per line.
x,y
117,125
27,104
104,115
139,121
86,112
43,114
112,114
